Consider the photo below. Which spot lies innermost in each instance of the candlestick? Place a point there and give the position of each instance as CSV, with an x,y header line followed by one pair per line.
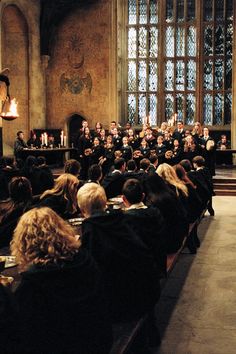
x,y
65,140
62,138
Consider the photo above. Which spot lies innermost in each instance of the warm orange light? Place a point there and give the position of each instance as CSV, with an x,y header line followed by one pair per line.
x,y
12,113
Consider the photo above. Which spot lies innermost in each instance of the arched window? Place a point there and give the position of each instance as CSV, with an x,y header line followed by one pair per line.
x,y
179,60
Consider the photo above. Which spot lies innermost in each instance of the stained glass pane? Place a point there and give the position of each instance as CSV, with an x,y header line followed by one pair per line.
x,y
229,39
180,10
228,74
229,10
191,41
153,7
169,11
142,11
153,42
142,42
132,75
208,109
170,42
131,108
208,75
169,106
190,10
180,41
142,105
190,109
218,109
132,48
228,108
219,10
180,105
191,75
219,74
142,75
180,75
208,10
219,40
153,76
152,108
208,41
169,76
132,12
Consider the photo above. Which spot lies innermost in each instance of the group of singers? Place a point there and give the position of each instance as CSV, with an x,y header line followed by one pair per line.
x,y
168,144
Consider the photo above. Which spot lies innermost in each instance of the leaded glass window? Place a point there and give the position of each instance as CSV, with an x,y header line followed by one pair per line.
x,y
142,73
217,82
179,60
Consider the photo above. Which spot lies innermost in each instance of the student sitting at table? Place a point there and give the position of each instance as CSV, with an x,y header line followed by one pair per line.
x,y
113,182
20,200
147,222
128,266
159,195
62,197
60,297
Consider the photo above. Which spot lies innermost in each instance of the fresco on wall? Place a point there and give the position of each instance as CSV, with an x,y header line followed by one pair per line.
x,y
76,79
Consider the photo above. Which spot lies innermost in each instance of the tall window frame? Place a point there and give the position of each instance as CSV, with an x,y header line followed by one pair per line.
x,y
186,15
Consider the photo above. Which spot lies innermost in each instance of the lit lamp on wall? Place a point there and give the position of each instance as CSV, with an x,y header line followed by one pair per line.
x,y
9,107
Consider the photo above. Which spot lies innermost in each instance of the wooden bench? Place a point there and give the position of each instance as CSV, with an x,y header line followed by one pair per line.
x,y
127,333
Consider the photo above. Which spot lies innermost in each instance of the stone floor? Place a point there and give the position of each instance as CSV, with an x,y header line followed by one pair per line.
x,y
197,310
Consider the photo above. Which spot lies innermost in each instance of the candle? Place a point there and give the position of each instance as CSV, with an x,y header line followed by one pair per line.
x,y
45,139
42,139
65,140
62,138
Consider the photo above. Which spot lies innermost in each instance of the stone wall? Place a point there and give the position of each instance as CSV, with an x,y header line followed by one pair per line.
x,y
20,52
79,73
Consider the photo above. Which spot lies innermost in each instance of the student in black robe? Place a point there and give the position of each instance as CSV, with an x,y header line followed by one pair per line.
x,y
147,222
128,267
113,182
20,200
60,297
159,195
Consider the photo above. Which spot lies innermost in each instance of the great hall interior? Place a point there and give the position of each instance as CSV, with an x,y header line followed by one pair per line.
x,y
136,62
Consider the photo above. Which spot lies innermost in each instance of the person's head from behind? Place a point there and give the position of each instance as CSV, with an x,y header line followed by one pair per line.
x,y
95,173
41,160
153,159
20,190
30,162
168,174
186,165
131,165
180,171
42,237
119,164
73,167
144,164
66,185
91,199
132,192
198,161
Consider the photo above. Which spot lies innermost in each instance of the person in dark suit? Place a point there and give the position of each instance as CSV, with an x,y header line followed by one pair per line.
x,y
160,148
19,144
179,132
113,182
126,149
60,298
128,266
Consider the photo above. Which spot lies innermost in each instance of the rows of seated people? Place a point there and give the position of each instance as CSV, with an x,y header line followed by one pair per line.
x,y
72,290
169,144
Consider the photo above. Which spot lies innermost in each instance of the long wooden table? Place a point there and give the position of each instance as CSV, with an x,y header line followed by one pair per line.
x,y
54,156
